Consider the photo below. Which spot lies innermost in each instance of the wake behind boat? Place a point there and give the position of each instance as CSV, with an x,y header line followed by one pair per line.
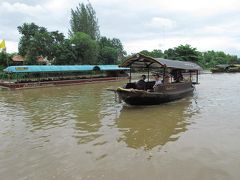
x,y
177,81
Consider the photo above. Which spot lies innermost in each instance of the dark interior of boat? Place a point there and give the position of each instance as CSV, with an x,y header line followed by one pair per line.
x,y
149,85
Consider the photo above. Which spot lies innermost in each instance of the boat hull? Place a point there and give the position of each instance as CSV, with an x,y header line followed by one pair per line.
x,y
53,83
140,97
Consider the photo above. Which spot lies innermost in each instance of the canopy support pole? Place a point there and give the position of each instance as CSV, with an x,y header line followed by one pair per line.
x,y
130,78
197,76
148,73
164,73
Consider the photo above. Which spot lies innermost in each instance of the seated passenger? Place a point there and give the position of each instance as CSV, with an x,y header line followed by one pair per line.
x,y
167,79
157,80
141,84
177,75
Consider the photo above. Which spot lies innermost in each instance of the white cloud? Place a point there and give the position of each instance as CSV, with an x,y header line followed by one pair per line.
x,y
199,8
162,23
138,45
22,8
231,27
195,8
216,43
226,44
11,46
60,6
142,24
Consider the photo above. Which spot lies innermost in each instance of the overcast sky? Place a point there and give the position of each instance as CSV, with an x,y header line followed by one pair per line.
x,y
139,24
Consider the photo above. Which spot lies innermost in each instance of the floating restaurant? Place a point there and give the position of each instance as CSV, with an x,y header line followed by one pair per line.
x,y
19,77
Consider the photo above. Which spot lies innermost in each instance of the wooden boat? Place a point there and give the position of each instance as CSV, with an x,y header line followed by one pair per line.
x,y
226,68
165,92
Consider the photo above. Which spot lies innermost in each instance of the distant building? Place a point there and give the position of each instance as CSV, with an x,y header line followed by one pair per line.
x,y
19,60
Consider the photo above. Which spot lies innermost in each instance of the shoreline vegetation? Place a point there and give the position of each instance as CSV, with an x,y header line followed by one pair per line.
x,y
85,45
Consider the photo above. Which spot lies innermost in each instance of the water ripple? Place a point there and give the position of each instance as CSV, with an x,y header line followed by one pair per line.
x,y
81,132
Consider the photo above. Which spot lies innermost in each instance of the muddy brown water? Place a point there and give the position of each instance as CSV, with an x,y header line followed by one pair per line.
x,y
81,132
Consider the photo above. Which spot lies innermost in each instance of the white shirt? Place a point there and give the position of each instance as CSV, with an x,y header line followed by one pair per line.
x,y
157,83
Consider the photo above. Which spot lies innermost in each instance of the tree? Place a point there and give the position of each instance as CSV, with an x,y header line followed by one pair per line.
x,y
65,54
108,55
210,59
111,50
25,46
145,52
37,41
117,44
83,19
4,58
156,53
183,53
170,54
206,59
85,49
187,53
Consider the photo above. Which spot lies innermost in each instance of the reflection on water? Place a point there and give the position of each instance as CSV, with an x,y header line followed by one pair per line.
x,y
80,132
147,127
51,108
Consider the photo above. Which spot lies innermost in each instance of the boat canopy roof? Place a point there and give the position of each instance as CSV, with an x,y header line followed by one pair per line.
x,y
224,66
61,68
142,61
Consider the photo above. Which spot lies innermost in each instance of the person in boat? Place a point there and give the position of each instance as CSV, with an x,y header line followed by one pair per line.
x,y
141,84
167,79
157,81
177,75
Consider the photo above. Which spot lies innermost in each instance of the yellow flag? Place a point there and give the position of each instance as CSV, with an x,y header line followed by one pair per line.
x,y
2,45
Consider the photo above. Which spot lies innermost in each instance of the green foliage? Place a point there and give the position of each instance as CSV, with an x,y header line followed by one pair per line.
x,y
5,60
156,53
108,55
110,50
183,53
85,49
65,54
1,68
207,59
84,46
37,41
116,44
210,59
83,19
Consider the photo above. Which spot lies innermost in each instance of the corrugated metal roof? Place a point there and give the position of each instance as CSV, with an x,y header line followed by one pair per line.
x,y
111,68
142,61
179,64
224,66
42,68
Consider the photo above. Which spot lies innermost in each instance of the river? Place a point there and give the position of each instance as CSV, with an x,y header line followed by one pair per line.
x,y
81,132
